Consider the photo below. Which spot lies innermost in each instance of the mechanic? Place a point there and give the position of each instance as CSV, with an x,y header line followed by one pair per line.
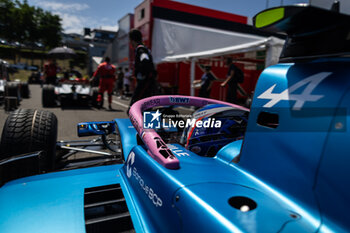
x,y
50,71
106,71
144,70
206,82
232,80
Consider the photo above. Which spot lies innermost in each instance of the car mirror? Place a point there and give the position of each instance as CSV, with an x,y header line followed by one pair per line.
x,y
268,17
95,128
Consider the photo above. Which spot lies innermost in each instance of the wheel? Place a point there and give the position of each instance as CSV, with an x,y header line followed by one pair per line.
x,y
48,96
11,103
94,97
28,130
24,90
12,89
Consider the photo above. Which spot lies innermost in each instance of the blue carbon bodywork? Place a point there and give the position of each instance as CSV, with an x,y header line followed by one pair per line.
x,y
127,134
296,172
196,196
54,202
301,157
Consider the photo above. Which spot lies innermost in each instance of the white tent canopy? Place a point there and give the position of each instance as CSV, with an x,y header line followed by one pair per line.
x,y
270,44
241,48
175,42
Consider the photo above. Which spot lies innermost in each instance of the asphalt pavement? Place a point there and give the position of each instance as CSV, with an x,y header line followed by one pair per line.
x,y
69,117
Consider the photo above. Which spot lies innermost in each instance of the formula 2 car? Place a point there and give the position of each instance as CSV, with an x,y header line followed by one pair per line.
x,y
69,91
288,174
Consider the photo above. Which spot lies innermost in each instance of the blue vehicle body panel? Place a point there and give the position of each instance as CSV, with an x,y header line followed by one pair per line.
x,y
294,150
196,196
127,135
331,186
230,151
54,202
211,208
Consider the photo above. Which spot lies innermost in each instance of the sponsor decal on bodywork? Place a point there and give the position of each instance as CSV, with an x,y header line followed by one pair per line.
x,y
129,163
150,103
179,100
177,151
288,95
131,172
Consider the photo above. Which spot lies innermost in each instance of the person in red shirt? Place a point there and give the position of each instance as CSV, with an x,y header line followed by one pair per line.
x,y
106,72
50,72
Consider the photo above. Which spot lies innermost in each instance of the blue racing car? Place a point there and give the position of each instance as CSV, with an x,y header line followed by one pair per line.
x,y
281,166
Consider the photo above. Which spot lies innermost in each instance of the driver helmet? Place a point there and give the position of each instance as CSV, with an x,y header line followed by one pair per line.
x,y
207,141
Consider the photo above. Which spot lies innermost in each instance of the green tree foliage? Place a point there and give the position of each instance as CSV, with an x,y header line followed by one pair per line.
x,y
29,24
7,19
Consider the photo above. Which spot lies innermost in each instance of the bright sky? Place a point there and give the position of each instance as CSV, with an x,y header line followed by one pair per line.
x,y
77,14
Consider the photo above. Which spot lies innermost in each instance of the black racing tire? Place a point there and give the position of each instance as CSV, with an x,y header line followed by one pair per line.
x,y
94,97
12,90
48,96
25,90
28,130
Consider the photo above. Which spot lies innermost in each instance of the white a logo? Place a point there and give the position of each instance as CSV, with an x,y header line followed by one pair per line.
x,y
300,99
